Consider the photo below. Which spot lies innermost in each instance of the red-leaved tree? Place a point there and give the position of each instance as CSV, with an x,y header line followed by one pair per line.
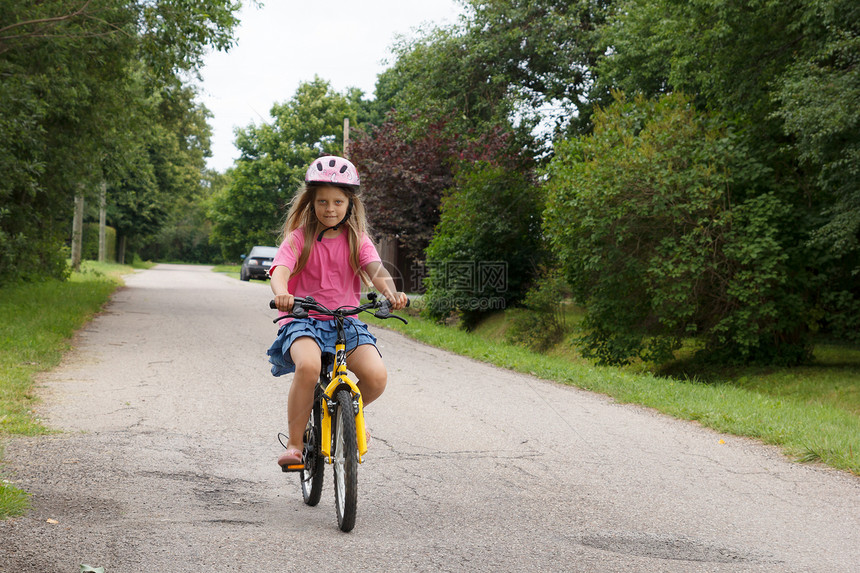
x,y
405,175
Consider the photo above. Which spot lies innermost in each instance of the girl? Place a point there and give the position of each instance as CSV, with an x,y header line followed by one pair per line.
x,y
325,253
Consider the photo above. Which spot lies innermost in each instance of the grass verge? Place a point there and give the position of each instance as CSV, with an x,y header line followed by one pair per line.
x,y
808,412
229,270
38,321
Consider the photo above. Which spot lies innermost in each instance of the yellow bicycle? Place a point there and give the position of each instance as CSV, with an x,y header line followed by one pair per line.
x,y
335,433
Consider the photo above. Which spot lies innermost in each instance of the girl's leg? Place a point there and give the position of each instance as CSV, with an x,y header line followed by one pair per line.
x,y
366,363
306,355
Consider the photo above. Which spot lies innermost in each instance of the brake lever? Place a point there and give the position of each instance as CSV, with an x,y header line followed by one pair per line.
x,y
385,312
298,310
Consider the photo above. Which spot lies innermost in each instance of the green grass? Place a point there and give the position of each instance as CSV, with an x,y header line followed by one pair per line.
x,y
37,321
812,413
13,501
229,270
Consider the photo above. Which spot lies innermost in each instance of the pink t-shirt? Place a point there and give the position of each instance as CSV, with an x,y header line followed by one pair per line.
x,y
327,276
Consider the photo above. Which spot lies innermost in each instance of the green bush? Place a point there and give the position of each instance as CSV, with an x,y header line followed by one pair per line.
x,y
90,243
30,250
185,236
487,244
667,228
544,324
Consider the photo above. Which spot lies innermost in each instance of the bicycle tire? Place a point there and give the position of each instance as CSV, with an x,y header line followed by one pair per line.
x,y
313,473
345,461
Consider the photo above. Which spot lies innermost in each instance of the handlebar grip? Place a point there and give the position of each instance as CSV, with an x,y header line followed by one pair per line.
x,y
297,302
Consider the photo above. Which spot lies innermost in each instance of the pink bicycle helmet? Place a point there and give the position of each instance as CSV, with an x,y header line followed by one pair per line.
x,y
333,170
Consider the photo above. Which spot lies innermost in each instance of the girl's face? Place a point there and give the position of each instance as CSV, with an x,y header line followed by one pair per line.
x,y
330,205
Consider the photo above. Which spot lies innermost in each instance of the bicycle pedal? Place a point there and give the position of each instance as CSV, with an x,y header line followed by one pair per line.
x,y
293,468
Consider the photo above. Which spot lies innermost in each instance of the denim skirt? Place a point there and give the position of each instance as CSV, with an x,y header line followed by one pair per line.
x,y
324,332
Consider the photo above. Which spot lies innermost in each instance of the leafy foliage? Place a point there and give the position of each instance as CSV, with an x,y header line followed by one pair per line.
x,y
786,73
185,234
404,176
274,156
156,186
818,103
667,230
544,52
92,91
543,324
507,59
441,76
490,222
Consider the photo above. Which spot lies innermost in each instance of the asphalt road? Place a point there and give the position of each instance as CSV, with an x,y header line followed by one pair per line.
x,y
165,461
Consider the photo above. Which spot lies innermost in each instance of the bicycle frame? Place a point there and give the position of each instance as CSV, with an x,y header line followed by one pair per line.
x,y
338,375
340,378
335,395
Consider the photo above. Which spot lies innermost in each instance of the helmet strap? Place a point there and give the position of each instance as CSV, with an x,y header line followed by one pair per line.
x,y
336,227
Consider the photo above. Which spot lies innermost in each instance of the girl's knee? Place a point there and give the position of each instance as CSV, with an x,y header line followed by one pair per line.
x,y
307,365
370,371
306,356
382,376
375,379
307,368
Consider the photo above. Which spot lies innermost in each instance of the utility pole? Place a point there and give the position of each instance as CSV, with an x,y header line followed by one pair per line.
x,y
346,138
102,221
78,229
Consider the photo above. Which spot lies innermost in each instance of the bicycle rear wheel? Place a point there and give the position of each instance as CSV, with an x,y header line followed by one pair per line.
x,y
312,475
345,455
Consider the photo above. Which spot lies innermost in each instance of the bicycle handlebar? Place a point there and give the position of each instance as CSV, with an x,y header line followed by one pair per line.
x,y
301,306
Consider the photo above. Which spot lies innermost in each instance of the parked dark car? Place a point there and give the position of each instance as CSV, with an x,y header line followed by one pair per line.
x,y
256,265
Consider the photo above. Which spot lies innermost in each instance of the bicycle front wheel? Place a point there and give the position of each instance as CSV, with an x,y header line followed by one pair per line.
x,y
312,474
345,460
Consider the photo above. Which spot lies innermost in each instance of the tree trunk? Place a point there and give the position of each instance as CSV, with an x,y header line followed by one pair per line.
x,y
102,221
120,250
77,230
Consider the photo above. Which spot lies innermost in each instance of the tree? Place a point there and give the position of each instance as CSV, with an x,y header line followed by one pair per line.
x,y
724,54
405,174
272,163
487,245
173,158
516,61
473,92
667,230
403,181
79,78
55,97
785,75
546,51
817,101
184,234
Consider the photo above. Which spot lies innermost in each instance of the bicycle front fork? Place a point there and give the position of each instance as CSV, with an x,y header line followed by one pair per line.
x,y
330,409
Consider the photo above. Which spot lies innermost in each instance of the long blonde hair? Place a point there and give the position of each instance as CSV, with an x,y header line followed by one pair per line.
x,y
302,216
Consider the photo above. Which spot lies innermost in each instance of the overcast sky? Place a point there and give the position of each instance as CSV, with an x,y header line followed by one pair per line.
x,y
287,42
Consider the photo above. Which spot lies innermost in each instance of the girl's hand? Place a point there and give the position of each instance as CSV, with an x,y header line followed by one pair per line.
x,y
397,300
284,302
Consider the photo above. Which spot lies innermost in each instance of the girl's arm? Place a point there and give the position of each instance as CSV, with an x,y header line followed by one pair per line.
x,y
383,282
278,282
